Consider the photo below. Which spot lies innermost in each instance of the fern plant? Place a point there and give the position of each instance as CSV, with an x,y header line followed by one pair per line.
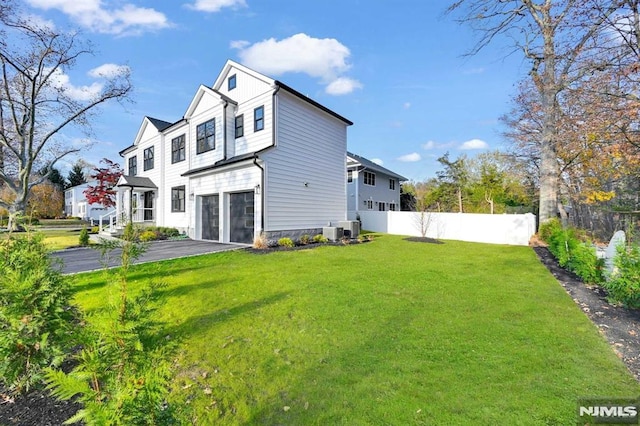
x,y
122,373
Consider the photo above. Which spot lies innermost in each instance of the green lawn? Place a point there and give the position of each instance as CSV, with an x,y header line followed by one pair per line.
x,y
55,239
386,332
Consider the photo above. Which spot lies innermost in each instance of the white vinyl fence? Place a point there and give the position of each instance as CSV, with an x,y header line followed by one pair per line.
x,y
514,229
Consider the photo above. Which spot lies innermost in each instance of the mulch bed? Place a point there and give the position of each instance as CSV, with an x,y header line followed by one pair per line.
x,y
620,326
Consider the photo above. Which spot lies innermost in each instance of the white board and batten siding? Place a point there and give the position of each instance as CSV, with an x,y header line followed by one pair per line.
x,y
240,179
305,174
208,107
172,177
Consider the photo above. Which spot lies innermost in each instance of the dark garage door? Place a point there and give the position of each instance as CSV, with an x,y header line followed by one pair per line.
x,y
241,212
211,217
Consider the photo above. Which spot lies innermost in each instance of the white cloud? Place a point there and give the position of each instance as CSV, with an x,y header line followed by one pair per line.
x,y
410,158
325,59
61,81
429,145
126,20
406,105
378,161
40,22
474,144
109,71
342,86
215,5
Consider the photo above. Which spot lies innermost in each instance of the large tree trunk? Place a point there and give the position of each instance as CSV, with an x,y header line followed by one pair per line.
x,y
16,211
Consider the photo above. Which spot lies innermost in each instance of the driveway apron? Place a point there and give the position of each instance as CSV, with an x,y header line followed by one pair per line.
x,y
88,259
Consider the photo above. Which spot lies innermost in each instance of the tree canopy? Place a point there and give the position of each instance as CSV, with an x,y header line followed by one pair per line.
x,y
36,104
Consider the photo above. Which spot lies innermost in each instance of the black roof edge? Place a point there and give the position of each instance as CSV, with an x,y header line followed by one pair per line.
x,y
312,102
232,160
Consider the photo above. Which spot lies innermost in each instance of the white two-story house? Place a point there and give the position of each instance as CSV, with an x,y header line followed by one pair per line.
x,y
371,186
250,155
76,204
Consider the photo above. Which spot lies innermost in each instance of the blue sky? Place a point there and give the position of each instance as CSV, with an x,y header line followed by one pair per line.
x,y
396,69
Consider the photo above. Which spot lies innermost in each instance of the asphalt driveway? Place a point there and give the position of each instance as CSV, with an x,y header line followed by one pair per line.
x,y
87,259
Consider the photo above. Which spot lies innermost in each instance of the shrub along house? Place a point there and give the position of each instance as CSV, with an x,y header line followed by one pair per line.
x,y
250,155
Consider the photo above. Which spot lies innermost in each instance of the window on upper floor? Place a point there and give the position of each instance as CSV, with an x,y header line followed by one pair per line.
x,y
258,118
369,179
206,136
240,126
133,166
177,199
392,184
178,149
148,158
349,176
231,82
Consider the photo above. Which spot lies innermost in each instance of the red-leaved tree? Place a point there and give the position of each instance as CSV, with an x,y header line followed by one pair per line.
x,y
106,178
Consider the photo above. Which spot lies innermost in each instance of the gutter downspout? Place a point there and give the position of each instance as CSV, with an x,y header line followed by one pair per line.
x,y
255,157
262,190
225,127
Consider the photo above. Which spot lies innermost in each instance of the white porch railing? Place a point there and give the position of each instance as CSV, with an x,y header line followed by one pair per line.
x,y
115,221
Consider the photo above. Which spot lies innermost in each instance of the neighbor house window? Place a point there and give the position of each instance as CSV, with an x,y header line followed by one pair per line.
x,y
258,118
392,184
349,176
240,126
177,149
206,136
231,82
148,158
392,207
369,178
381,206
177,199
133,166
370,204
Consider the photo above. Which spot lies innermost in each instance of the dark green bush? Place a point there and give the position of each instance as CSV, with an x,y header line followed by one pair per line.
x,y
36,321
83,239
624,284
572,250
548,228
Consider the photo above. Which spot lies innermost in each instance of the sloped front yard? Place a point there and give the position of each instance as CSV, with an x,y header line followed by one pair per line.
x,y
388,332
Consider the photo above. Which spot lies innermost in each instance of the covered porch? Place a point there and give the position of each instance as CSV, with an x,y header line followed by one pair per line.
x,y
135,202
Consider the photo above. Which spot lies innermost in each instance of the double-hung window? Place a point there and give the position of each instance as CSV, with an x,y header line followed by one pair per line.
x,y
148,158
258,118
369,179
177,199
206,136
392,184
178,149
240,126
133,165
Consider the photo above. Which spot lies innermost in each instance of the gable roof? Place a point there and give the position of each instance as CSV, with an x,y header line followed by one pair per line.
x,y
202,90
136,182
357,160
160,125
275,84
233,64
